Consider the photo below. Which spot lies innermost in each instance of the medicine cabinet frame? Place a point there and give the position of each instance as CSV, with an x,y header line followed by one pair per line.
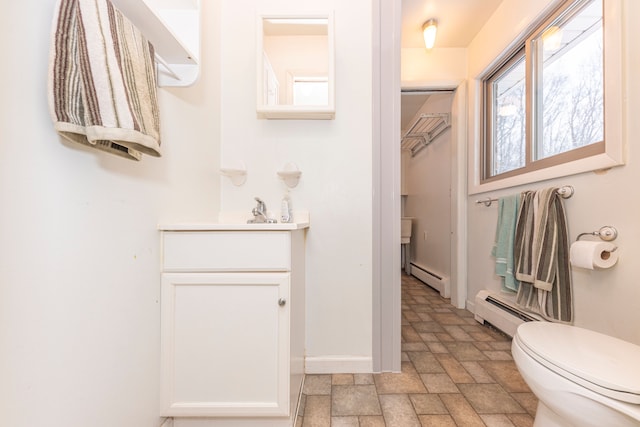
x,y
290,111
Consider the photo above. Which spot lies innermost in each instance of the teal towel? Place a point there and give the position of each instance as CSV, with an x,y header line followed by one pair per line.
x,y
503,247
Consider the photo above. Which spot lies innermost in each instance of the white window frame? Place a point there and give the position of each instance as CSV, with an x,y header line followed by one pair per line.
x,y
613,154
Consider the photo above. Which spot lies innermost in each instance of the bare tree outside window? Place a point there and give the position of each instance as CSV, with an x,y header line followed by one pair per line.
x,y
509,146
573,100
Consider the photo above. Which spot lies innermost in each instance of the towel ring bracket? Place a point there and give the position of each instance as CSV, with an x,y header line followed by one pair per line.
x,y
606,233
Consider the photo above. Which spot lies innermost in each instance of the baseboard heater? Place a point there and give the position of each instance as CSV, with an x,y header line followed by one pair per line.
x,y
492,308
437,282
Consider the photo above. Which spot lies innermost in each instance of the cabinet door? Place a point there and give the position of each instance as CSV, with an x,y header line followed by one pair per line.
x,y
225,344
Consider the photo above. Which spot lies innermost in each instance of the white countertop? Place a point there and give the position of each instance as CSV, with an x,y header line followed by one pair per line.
x,y
231,221
216,226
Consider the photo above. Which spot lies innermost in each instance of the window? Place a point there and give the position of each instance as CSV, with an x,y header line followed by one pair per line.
x,y
507,107
544,105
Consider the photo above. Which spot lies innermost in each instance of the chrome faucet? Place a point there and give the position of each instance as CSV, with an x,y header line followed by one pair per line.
x,y
260,214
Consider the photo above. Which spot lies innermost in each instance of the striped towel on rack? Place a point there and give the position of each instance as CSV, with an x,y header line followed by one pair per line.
x,y
102,80
542,256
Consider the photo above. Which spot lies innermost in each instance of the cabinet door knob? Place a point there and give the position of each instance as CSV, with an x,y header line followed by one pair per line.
x,y
282,302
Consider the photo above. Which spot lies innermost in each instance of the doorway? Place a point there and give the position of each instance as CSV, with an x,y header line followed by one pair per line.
x,y
425,189
386,298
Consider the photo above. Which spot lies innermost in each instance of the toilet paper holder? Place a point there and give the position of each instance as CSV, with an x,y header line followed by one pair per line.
x,y
606,233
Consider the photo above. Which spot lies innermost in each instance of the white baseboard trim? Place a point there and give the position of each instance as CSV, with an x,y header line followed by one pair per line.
x,y
471,306
233,422
338,365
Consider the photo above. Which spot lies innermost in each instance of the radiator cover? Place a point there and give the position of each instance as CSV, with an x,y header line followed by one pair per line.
x,y
436,281
491,307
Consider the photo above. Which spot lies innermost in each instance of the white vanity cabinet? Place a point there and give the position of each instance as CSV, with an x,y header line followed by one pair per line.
x,y
232,323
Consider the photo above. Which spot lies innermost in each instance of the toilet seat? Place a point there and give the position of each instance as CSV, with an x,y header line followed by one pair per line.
x,y
603,364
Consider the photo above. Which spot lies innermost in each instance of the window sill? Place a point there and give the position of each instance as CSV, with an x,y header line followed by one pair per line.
x,y
601,161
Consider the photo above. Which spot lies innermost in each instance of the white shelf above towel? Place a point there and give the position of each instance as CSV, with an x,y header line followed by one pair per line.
x,y
173,27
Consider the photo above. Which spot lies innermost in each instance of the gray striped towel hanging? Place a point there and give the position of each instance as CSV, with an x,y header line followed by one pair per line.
x,y
102,80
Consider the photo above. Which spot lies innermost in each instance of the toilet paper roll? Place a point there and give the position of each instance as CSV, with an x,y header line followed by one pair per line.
x,y
590,254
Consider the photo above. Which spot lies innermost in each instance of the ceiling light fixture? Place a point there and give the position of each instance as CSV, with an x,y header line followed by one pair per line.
x,y
429,30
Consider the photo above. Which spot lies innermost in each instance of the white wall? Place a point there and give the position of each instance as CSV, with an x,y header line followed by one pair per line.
x,y
437,67
335,157
428,180
605,301
79,264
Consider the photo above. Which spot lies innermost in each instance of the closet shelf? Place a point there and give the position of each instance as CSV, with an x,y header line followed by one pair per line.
x,y
173,27
424,131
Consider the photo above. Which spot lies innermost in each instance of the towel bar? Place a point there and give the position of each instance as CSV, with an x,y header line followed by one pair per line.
x,y
565,191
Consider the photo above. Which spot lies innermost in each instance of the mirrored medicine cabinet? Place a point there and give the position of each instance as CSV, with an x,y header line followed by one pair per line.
x,y
295,74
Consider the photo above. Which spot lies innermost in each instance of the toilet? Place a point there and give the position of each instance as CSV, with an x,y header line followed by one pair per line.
x,y
581,378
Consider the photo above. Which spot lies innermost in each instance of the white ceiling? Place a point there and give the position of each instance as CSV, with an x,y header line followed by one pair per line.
x,y
458,23
458,20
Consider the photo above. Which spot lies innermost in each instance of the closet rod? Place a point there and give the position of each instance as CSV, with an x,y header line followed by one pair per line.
x,y
565,191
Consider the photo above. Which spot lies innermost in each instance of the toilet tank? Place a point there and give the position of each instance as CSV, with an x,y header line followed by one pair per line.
x,y
405,229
